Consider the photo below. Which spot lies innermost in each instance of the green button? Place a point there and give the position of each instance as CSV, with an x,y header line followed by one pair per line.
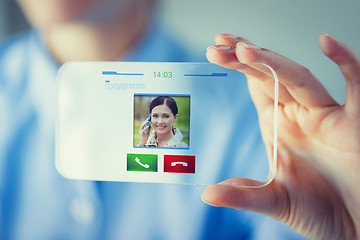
x,y
142,162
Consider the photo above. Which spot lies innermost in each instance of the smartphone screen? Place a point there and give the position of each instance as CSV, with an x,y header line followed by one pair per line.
x,y
201,125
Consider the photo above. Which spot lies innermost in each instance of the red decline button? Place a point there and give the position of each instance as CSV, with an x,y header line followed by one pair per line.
x,y
179,164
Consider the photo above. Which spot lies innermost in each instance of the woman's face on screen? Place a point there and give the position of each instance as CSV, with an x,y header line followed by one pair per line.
x,y
162,119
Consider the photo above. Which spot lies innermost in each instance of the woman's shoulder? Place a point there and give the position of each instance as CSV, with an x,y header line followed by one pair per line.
x,y
177,140
183,145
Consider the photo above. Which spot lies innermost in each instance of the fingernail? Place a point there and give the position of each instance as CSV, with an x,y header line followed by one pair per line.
x,y
248,45
204,196
229,36
220,47
229,183
326,35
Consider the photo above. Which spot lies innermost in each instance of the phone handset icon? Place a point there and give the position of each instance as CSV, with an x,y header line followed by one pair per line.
x,y
142,164
173,164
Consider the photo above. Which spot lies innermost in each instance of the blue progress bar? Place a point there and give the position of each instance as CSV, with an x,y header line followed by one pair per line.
x,y
123,74
206,75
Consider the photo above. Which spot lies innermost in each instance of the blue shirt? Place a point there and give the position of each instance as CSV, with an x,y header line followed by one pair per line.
x,y
37,203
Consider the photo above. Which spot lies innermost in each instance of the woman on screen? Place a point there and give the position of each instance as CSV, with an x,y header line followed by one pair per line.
x,y
163,114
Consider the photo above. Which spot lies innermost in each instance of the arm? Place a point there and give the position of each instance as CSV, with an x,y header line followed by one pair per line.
x,y
316,190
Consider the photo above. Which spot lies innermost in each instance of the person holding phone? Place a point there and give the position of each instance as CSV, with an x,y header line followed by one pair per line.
x,y
316,190
163,115
36,202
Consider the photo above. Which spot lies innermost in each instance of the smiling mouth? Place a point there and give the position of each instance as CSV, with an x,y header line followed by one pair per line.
x,y
160,127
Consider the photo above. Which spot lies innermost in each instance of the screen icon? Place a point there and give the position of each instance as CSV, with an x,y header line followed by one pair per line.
x,y
179,164
142,162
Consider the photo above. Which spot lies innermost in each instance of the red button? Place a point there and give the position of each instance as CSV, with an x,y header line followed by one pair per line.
x,y
179,164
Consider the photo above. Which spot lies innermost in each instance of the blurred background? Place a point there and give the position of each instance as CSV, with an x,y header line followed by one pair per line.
x,y
11,18
290,28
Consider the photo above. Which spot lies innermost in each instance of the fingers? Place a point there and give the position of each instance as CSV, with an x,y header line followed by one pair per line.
x,y
144,130
230,193
298,83
224,56
228,39
298,80
144,127
349,65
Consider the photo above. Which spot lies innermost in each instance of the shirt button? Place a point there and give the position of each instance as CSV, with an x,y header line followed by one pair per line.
x,y
82,210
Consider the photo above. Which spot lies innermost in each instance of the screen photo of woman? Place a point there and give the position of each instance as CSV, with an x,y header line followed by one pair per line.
x,y
164,119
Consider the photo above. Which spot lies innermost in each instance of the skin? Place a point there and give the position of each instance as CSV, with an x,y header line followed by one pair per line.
x,y
316,190
162,119
88,30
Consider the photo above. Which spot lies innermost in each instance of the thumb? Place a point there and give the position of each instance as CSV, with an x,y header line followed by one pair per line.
x,y
232,193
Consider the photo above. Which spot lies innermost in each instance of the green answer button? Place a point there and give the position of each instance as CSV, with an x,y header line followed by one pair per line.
x,y
142,162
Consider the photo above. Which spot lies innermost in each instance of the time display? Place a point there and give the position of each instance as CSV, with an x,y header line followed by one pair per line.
x,y
163,74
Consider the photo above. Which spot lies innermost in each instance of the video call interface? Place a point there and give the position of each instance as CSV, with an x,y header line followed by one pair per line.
x,y
169,116
147,122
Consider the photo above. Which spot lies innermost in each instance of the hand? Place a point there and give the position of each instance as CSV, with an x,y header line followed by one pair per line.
x,y
317,187
144,132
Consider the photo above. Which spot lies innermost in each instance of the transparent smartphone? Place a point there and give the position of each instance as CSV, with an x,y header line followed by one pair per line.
x,y
212,135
